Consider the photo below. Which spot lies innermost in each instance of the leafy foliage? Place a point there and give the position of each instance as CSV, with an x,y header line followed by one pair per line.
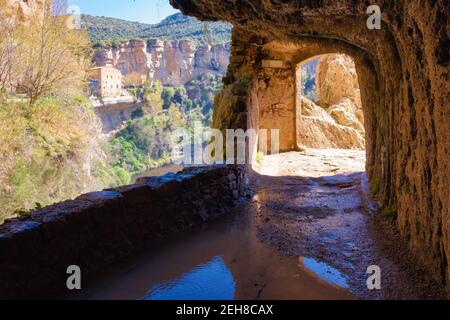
x,y
49,143
144,143
203,90
51,148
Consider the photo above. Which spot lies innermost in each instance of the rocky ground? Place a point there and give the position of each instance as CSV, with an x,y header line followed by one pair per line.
x,y
316,203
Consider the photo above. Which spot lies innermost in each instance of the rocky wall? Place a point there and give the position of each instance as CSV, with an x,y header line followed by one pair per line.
x,y
173,63
98,229
277,105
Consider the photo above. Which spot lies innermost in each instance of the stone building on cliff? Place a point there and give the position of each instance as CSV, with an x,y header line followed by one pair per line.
x,y
106,82
106,86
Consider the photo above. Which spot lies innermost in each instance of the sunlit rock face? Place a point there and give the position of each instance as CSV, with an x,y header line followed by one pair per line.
x,y
319,129
22,8
336,80
338,90
172,63
336,119
19,9
403,71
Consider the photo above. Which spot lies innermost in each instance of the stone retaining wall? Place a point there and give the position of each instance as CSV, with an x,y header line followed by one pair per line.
x,y
100,228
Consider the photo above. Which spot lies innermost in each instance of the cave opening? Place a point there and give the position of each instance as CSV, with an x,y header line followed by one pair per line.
x,y
313,101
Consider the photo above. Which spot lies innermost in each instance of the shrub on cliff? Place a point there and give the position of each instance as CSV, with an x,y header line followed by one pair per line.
x,y
48,152
203,90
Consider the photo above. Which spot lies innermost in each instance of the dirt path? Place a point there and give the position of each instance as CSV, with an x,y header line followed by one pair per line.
x,y
316,204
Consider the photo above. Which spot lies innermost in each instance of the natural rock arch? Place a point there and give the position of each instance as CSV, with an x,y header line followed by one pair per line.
x,y
404,76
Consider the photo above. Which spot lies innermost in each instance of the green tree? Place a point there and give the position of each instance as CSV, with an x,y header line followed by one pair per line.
x,y
153,98
176,117
167,95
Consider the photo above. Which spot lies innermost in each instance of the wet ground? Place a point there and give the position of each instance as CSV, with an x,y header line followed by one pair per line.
x,y
309,232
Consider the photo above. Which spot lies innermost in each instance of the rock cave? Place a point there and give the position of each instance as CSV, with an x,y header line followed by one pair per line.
x,y
403,71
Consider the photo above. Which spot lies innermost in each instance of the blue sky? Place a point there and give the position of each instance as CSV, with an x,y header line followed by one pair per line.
x,y
147,11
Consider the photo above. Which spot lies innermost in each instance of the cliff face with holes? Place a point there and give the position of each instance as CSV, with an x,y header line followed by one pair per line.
x,y
403,73
173,63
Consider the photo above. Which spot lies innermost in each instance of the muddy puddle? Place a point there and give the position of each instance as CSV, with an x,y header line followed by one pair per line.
x,y
224,261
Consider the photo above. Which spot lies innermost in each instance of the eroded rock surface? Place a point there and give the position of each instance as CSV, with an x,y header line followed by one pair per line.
x,y
336,121
20,8
338,90
319,129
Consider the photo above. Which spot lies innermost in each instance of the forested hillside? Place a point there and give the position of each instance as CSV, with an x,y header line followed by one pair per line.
x,y
104,31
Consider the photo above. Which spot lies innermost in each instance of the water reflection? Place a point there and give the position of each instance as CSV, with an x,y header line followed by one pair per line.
x,y
324,271
210,281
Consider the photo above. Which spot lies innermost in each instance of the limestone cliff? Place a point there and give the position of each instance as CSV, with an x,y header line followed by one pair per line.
x,y
336,121
338,90
172,63
320,130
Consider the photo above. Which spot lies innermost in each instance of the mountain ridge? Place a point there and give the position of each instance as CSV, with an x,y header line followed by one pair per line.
x,y
105,31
